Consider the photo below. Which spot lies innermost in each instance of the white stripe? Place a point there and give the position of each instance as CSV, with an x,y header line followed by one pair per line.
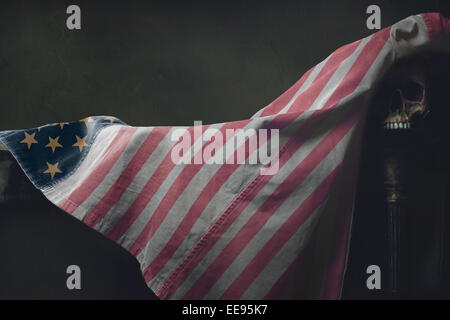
x,y
335,81
256,115
306,84
309,81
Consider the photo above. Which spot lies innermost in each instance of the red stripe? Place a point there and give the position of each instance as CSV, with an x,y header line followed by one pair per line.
x,y
335,270
276,242
171,196
127,176
146,194
305,100
307,97
341,227
259,218
109,158
279,103
436,23
359,68
294,281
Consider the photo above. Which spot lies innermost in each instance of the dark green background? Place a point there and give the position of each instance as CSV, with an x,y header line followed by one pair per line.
x,y
169,62
148,63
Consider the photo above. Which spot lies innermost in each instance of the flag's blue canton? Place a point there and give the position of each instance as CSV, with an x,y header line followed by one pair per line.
x,y
51,153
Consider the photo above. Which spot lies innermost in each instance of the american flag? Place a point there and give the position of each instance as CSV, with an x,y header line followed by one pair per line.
x,y
225,231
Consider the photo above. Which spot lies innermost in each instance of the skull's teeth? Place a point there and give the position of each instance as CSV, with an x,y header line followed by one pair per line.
x,y
397,125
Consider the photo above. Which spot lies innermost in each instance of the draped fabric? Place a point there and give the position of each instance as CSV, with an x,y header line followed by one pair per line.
x,y
250,209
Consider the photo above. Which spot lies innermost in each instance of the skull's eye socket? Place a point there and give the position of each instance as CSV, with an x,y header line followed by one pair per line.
x,y
413,91
396,101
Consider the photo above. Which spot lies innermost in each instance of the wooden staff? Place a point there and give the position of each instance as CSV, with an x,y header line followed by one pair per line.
x,y
394,160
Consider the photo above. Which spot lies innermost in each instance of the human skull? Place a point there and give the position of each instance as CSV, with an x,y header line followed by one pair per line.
x,y
408,104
